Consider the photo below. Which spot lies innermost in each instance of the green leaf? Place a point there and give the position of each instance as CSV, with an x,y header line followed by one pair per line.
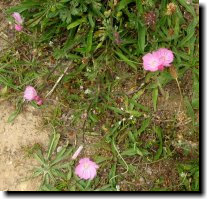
x,y
58,173
63,166
76,23
188,7
37,172
190,33
134,113
144,125
131,137
89,40
59,156
88,184
139,6
12,117
24,6
53,144
125,59
141,29
112,175
91,21
139,106
123,3
100,159
15,114
129,152
190,110
138,94
65,155
154,97
104,188
139,152
160,149
48,187
195,103
116,110
39,157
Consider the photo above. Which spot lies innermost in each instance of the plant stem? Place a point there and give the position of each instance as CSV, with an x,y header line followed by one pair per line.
x,y
160,87
180,93
179,88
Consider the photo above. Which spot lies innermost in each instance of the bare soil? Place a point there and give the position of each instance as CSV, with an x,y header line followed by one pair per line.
x,y
15,166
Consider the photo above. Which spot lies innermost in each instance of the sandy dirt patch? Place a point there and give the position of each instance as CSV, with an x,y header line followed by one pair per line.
x,y
25,131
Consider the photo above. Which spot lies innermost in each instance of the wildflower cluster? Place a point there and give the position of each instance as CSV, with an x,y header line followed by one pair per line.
x,y
18,21
158,60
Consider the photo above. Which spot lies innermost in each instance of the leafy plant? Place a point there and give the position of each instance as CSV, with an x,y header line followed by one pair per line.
x,y
53,166
189,176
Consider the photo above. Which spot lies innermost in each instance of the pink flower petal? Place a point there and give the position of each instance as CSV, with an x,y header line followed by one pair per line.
x,y
18,27
161,68
40,102
151,62
17,18
86,169
84,160
166,56
30,93
93,173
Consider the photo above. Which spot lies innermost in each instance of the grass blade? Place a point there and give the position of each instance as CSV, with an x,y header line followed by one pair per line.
x,y
160,149
154,97
76,23
125,59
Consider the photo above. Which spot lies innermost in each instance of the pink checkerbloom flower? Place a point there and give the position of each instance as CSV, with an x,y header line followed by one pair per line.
x,y
18,21
18,18
31,94
18,27
38,100
166,56
158,60
151,62
86,169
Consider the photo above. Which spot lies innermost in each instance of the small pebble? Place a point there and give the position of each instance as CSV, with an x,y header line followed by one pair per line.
x,y
59,149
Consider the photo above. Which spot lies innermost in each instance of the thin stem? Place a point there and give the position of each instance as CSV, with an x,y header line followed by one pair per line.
x,y
57,82
179,88
122,160
160,87
180,93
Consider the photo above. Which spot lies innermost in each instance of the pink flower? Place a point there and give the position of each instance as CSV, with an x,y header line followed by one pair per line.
x,y
75,155
30,93
17,18
158,60
86,169
18,27
18,21
38,100
151,62
166,56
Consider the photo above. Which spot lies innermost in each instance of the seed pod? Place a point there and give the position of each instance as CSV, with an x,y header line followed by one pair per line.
x,y
150,18
171,9
173,72
117,38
